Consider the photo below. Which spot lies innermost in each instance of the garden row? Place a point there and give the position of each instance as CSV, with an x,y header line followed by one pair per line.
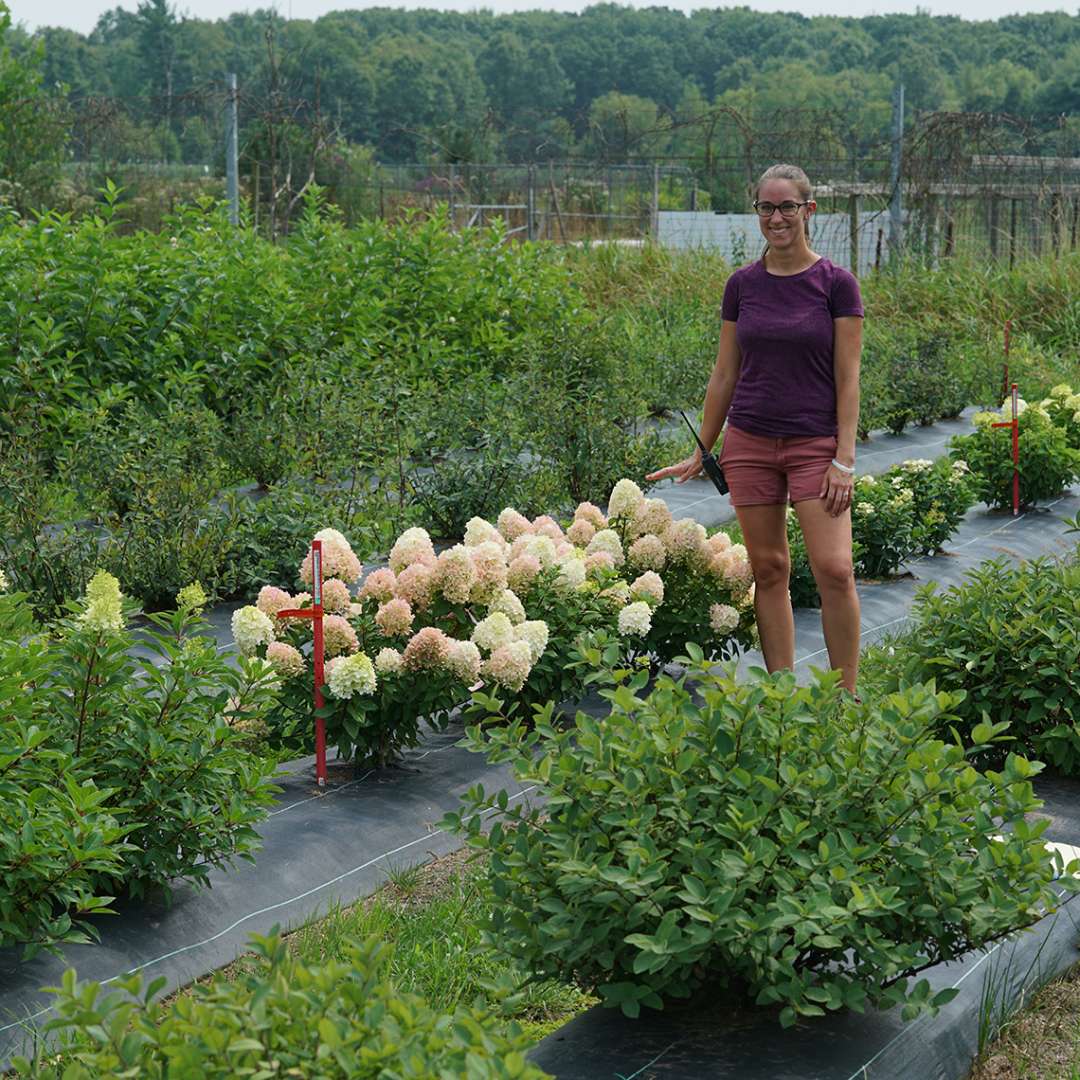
x,y
390,376
514,605
751,836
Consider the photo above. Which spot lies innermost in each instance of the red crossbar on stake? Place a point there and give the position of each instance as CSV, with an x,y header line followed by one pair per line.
x,y
1014,423
315,614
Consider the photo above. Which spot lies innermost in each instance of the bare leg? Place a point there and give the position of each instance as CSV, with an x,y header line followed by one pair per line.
x,y
764,531
828,543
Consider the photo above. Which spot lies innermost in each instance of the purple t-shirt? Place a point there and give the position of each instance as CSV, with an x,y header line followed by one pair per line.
x,y
784,327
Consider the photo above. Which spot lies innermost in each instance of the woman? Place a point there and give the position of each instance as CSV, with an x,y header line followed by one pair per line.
x,y
786,380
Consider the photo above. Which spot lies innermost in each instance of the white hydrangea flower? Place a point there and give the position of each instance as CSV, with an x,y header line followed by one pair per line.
x,y
541,547
104,606
572,573
1062,390
495,630
388,661
479,531
3,581
508,603
463,661
412,546
961,466
635,619
723,618
626,497
607,540
251,628
349,675
535,632
864,508
917,464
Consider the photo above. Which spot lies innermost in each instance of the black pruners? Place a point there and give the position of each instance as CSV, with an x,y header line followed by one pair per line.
x,y
708,461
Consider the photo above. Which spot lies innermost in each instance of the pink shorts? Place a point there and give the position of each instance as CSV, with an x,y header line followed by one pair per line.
x,y
762,471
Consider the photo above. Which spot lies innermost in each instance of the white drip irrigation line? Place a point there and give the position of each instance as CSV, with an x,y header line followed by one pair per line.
x,y
254,914
903,618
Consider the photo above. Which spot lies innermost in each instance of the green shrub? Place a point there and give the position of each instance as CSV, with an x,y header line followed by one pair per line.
x,y
337,1019
582,416
1047,463
784,844
882,525
922,385
57,840
942,493
1009,637
1063,408
160,733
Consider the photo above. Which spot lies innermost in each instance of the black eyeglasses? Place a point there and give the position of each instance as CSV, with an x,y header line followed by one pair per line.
x,y
789,208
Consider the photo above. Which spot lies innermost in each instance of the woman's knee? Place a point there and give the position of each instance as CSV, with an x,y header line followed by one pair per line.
x,y
771,569
835,574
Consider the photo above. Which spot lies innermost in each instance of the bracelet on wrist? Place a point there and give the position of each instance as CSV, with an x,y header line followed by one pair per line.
x,y
849,469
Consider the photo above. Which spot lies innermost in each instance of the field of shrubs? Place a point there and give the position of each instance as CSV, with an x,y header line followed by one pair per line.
x,y
182,413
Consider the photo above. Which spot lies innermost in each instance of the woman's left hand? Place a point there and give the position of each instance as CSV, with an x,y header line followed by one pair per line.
x,y
836,489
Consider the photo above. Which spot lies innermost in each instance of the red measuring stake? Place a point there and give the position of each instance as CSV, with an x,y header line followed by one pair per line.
x,y
315,614
1014,423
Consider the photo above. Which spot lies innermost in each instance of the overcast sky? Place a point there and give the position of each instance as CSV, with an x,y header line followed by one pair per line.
x,y
81,15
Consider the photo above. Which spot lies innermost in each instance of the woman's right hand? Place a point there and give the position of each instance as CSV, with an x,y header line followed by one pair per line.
x,y
682,471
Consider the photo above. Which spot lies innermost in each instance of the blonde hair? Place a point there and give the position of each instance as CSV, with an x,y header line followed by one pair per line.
x,y
798,178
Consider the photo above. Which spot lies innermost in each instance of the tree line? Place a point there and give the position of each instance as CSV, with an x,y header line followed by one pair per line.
x,y
609,84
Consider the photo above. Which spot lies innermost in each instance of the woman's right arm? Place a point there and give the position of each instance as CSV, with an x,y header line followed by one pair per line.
x,y
718,394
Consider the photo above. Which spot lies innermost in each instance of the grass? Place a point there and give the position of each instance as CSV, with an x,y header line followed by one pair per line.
x,y
434,916
1040,1043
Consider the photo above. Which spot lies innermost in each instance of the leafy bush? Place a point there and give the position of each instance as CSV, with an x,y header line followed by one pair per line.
x,y
583,415
338,1019
942,493
882,524
785,844
1063,408
56,839
160,733
1009,637
1047,463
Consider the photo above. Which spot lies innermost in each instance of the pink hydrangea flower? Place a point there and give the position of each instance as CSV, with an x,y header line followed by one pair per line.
x,y
591,513
581,532
647,553
338,636
271,600
286,660
379,585
509,665
412,546
522,572
395,617
427,650
416,583
512,524
336,598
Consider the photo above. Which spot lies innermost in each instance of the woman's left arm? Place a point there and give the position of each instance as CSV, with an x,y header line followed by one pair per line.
x,y
847,351
837,485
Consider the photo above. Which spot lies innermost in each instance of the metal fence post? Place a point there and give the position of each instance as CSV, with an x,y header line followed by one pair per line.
x,y
654,222
896,203
232,181
531,204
